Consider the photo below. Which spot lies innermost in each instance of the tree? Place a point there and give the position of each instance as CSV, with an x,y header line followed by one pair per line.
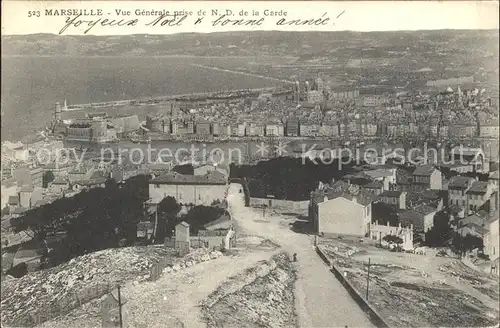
x,y
472,242
48,177
168,209
92,220
168,206
441,230
383,213
393,239
462,244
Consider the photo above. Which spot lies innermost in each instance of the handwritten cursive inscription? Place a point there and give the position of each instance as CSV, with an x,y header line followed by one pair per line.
x,y
321,21
166,19
223,21
76,22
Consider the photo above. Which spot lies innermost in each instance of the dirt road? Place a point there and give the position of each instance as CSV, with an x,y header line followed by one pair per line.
x,y
321,300
174,299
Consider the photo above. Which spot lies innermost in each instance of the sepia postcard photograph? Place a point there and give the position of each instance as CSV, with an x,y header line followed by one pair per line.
x,y
250,164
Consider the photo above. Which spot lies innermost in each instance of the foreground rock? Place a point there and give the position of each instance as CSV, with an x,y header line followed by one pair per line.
x,y
260,297
46,294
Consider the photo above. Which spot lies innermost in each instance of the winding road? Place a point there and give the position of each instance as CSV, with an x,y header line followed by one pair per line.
x,y
321,300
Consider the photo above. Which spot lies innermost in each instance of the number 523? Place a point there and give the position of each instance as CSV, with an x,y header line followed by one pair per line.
x,y
34,13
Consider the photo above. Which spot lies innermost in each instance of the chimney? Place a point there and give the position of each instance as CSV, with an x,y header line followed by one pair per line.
x,y
354,199
388,223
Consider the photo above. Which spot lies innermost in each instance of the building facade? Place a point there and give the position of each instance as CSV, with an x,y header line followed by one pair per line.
x,y
189,189
428,176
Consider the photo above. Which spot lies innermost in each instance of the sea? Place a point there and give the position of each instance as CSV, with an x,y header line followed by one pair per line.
x,y
31,85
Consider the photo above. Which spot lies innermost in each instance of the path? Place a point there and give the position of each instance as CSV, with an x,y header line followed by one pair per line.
x,y
174,299
321,299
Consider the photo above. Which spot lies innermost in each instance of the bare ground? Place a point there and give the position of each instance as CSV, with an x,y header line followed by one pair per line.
x,y
267,301
411,290
174,300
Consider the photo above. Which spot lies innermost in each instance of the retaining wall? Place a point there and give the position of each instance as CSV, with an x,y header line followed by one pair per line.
x,y
375,317
279,203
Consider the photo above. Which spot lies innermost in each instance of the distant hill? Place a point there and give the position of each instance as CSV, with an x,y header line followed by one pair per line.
x,y
306,45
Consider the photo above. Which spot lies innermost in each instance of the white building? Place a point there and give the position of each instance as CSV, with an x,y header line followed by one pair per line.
x,y
473,156
341,209
15,151
189,189
378,232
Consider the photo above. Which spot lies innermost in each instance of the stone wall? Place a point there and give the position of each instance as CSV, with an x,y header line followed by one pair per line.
x,y
280,204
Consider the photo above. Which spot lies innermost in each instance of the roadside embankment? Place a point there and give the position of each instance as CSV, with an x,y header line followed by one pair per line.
x,y
375,317
411,290
262,296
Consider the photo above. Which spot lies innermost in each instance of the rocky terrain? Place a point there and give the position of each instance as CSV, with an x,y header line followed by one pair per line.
x,y
425,290
260,297
61,289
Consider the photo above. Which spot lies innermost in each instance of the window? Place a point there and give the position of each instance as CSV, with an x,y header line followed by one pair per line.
x,y
180,195
463,202
199,197
157,186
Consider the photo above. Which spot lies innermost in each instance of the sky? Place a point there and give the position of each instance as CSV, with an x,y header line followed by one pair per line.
x,y
356,16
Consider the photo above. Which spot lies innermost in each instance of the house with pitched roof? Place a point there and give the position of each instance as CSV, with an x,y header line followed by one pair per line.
x,y
483,225
341,208
428,176
394,197
457,190
189,189
59,185
478,194
491,240
431,198
8,188
210,167
422,218
472,156
13,202
376,187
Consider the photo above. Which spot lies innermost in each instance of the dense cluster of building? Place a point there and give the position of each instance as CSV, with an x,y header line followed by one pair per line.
x,y
95,127
345,206
313,109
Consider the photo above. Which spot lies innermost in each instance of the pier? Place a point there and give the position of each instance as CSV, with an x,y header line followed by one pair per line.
x,y
216,95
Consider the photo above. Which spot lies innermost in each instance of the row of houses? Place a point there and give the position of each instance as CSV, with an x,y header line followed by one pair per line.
x,y
345,207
